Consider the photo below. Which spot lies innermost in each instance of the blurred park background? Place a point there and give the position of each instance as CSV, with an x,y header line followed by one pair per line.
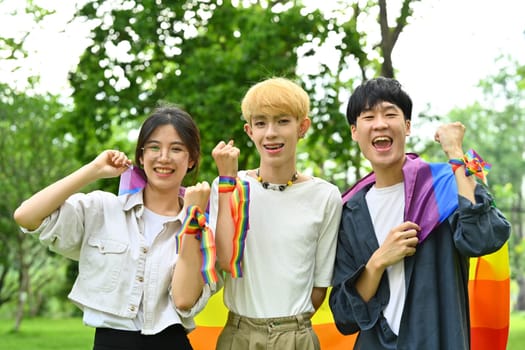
x,y
80,76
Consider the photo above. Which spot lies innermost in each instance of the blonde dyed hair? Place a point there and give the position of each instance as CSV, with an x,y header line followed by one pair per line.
x,y
275,96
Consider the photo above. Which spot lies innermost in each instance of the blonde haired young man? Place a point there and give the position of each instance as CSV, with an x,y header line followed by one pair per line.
x,y
289,250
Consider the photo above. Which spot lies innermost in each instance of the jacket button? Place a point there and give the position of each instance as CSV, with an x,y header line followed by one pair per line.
x,y
132,308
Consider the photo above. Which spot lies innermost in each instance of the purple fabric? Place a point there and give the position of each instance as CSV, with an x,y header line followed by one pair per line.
x,y
430,192
134,180
131,181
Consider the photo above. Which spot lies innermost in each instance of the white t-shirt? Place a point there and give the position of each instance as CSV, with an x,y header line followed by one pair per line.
x,y
386,206
153,224
290,248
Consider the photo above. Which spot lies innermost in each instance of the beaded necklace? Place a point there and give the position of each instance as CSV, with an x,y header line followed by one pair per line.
x,y
269,186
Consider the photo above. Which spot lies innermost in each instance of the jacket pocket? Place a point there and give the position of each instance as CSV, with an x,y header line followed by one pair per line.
x,y
107,246
103,262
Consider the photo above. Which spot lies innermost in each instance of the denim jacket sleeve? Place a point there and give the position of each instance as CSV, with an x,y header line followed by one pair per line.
x,y
479,228
354,248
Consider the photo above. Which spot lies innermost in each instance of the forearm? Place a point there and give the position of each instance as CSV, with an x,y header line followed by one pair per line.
x,y
34,210
368,282
466,184
318,296
187,281
224,231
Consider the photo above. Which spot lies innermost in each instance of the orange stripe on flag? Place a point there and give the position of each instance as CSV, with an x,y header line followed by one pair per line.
x,y
489,300
489,303
331,339
204,338
494,266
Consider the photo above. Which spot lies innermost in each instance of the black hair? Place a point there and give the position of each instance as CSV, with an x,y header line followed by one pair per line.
x,y
182,122
372,92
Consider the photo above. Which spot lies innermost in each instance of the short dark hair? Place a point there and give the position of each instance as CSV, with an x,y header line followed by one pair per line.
x,y
182,122
371,92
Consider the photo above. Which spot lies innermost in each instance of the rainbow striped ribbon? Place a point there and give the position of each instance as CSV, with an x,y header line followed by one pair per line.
x,y
240,204
195,224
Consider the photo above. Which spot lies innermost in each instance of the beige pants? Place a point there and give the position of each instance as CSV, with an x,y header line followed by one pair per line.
x,y
282,333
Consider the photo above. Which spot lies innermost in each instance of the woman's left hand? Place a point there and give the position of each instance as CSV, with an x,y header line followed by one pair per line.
x,y
198,195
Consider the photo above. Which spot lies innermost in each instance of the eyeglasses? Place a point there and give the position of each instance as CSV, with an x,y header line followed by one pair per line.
x,y
155,151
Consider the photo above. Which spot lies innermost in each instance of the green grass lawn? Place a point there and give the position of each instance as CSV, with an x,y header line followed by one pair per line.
x,y
71,334
46,334
517,331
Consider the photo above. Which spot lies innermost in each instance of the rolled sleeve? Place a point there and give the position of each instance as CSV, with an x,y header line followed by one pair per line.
x,y
351,312
207,291
62,231
480,228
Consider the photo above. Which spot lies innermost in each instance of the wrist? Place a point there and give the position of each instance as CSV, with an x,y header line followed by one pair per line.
x,y
227,184
472,163
91,172
455,154
376,265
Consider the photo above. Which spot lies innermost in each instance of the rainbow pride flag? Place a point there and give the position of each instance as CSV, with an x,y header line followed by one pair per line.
x,y
430,197
489,291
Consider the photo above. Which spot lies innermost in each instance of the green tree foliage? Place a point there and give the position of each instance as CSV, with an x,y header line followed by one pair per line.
x,y
495,130
360,55
500,124
30,157
196,54
203,55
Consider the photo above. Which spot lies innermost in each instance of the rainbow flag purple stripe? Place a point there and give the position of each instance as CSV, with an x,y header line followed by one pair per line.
x,y
134,180
131,181
430,192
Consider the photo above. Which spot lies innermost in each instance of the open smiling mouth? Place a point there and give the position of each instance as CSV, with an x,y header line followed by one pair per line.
x,y
274,147
164,170
382,142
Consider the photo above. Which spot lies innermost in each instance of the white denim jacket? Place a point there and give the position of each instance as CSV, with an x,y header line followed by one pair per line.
x,y
116,267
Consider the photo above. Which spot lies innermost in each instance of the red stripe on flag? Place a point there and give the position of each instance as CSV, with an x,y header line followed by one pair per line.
x,y
489,339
